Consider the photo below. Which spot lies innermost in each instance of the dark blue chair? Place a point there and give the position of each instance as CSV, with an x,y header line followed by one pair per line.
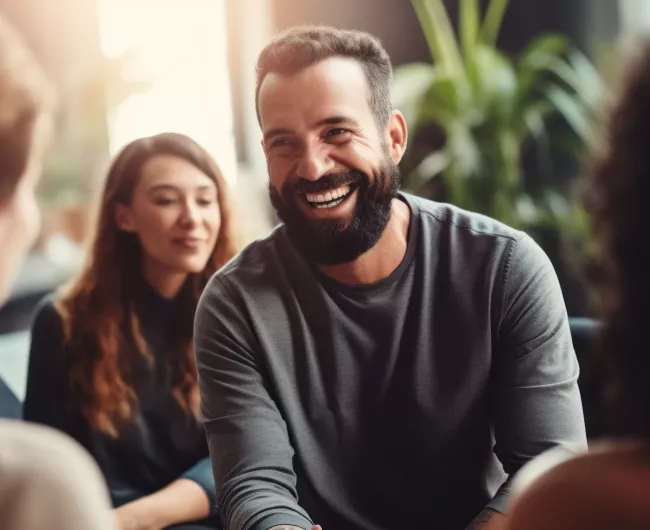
x,y
584,333
10,405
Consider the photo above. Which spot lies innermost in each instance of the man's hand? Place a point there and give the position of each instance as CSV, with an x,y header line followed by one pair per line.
x,y
488,520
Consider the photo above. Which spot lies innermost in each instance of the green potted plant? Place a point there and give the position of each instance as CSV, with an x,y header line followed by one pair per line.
x,y
489,107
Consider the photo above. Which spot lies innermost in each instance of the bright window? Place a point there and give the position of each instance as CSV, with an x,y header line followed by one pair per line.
x,y
180,45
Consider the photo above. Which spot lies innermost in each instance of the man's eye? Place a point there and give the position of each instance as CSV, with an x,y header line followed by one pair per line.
x,y
335,132
281,142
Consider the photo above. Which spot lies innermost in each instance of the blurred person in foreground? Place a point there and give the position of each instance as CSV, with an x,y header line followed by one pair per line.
x,y
111,360
358,365
47,481
609,488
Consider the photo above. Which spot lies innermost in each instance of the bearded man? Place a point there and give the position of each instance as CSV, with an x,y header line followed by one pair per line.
x,y
380,361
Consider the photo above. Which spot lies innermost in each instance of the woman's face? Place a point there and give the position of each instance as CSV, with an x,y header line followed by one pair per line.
x,y
174,211
20,222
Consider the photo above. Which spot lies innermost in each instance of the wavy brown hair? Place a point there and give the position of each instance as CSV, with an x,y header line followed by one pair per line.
x,y
98,308
618,199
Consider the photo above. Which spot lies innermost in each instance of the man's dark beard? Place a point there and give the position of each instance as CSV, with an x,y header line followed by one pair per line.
x,y
334,242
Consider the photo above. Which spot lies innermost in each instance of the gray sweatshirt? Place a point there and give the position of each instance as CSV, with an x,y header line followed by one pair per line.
x,y
402,404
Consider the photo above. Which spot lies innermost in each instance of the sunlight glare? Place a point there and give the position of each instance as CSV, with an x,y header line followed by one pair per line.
x,y
181,47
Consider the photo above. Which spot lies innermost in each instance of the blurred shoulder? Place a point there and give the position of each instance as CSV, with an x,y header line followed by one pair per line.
x,y
606,488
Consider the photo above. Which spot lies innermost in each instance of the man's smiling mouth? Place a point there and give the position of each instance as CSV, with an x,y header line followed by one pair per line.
x,y
329,198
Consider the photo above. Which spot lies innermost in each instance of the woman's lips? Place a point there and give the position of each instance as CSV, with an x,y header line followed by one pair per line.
x,y
190,243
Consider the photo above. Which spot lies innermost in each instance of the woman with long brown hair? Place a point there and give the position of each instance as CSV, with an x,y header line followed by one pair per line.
x,y
111,361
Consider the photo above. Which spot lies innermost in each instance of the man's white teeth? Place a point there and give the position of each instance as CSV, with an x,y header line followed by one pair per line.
x,y
328,205
329,198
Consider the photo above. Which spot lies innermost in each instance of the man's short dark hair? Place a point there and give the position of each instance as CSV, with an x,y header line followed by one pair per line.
x,y
303,46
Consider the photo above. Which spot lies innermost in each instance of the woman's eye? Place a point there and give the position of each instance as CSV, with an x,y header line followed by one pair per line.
x,y
205,202
163,201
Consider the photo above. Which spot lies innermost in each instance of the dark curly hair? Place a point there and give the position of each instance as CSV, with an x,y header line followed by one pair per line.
x,y
618,200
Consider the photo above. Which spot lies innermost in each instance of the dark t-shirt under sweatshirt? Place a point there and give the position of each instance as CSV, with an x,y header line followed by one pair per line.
x,y
406,403
160,445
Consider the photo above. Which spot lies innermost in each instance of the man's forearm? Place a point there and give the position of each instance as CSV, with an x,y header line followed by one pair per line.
x,y
488,519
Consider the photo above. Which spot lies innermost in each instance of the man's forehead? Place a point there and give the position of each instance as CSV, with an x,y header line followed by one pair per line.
x,y
334,83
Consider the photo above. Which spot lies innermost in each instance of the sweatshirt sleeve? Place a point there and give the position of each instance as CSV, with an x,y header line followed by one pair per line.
x,y
536,400
247,436
201,473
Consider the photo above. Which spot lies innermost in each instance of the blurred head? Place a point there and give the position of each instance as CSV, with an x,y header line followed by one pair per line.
x,y
617,199
331,138
165,210
25,113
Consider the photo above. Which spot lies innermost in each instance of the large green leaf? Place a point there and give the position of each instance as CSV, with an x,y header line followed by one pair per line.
x,y
440,35
496,83
590,86
574,112
536,60
463,151
469,32
541,47
583,83
492,22
424,94
442,103
411,82
508,152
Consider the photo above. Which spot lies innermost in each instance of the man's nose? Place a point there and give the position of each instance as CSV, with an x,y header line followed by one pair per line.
x,y
314,163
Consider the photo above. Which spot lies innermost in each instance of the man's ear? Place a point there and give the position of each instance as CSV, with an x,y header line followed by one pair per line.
x,y
124,218
396,136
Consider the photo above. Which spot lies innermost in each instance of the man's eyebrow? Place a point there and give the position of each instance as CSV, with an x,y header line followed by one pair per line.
x,y
338,120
